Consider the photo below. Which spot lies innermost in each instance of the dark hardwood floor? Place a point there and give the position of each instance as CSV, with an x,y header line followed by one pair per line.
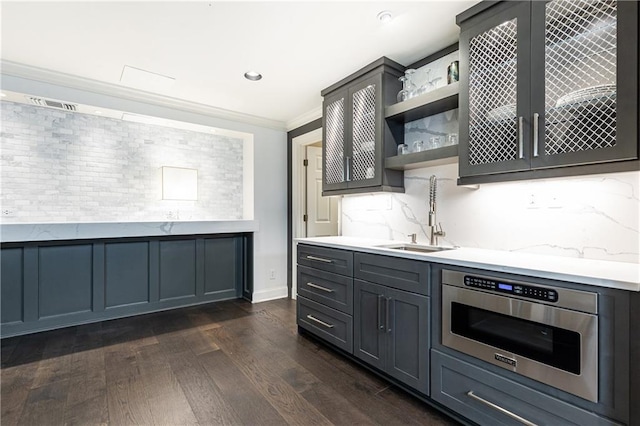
x,y
229,363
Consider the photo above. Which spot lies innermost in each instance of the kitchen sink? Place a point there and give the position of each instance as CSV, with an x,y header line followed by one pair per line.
x,y
415,247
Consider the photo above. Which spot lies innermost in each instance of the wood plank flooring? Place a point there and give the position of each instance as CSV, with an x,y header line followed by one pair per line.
x,y
226,363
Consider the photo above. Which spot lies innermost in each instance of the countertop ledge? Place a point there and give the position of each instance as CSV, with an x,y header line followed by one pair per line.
x,y
602,273
25,232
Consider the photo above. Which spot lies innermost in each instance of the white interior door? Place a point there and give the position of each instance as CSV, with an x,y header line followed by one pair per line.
x,y
322,212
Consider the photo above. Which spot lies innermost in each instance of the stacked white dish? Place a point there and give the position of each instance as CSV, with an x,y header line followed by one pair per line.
x,y
505,112
587,94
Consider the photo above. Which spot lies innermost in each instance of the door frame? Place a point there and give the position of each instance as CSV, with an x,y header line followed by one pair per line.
x,y
300,131
298,193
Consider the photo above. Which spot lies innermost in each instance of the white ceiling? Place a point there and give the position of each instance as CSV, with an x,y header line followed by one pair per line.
x,y
299,47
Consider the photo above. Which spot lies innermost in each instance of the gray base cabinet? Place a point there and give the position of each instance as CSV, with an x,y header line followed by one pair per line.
x,y
49,285
325,294
391,317
392,332
489,399
386,312
383,321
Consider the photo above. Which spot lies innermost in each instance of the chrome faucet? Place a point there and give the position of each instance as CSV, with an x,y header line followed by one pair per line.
x,y
433,231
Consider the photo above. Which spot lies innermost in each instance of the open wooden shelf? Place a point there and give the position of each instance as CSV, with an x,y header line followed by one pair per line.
x,y
416,160
439,100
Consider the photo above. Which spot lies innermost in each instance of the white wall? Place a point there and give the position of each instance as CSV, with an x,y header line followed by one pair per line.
x,y
592,217
270,167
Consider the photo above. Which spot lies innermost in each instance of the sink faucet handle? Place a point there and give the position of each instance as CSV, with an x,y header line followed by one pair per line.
x,y
440,232
413,238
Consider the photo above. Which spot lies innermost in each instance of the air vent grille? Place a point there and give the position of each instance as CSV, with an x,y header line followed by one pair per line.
x,y
52,103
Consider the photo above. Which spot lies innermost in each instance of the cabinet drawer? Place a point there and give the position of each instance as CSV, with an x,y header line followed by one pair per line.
x,y
327,259
333,326
335,291
480,395
403,274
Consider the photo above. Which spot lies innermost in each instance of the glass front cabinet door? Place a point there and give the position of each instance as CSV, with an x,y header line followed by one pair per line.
x,y
550,84
355,133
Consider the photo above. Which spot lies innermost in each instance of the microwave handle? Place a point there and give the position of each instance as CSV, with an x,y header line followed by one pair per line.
x,y
500,409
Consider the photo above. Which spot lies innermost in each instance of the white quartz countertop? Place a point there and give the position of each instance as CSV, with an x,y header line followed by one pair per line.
x,y
22,232
618,275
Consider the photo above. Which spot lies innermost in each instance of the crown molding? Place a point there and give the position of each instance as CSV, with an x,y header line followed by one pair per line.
x,y
81,83
303,119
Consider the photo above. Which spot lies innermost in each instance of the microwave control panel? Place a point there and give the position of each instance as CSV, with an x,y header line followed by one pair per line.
x,y
528,291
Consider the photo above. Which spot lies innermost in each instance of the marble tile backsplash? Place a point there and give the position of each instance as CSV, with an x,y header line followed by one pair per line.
x,y
593,217
62,166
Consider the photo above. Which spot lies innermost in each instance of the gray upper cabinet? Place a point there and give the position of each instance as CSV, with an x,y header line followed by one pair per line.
x,y
356,136
547,84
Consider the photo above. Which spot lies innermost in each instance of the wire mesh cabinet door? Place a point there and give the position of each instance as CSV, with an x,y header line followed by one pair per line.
x,y
357,138
334,155
365,159
584,97
495,75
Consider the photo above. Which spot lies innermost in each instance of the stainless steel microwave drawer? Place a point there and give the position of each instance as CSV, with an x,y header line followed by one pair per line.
x,y
332,290
489,399
333,326
403,274
327,259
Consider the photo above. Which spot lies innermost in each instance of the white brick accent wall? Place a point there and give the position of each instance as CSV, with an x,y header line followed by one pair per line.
x,y
68,167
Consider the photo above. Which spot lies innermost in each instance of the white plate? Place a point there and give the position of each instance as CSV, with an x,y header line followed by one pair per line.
x,y
505,112
587,94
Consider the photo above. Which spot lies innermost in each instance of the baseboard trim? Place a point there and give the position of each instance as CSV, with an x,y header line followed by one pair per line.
x,y
271,294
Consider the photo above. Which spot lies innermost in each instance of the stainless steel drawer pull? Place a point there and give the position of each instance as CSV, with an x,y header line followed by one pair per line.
x,y
319,287
500,409
326,324
320,259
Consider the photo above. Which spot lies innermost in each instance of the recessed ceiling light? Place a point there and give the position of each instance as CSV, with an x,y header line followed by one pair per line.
x,y
97,112
385,16
3,95
252,75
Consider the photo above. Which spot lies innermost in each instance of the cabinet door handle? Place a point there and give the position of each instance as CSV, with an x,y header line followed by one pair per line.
x,y
500,409
319,259
520,137
326,324
536,118
347,168
380,325
386,315
319,287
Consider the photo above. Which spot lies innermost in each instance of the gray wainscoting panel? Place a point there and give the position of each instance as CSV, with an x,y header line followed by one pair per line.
x,y
221,268
11,264
177,268
65,278
53,284
126,273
